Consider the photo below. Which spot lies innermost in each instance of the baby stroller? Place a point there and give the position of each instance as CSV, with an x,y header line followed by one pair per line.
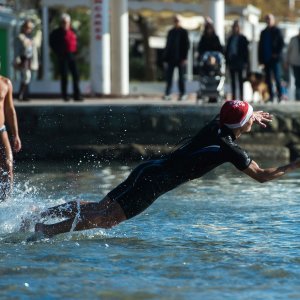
x,y
212,77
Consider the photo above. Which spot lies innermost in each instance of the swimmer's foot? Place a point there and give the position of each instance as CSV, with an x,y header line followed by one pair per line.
x,y
25,224
28,221
36,237
39,233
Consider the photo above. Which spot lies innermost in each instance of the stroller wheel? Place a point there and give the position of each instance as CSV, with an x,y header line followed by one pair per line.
x,y
199,95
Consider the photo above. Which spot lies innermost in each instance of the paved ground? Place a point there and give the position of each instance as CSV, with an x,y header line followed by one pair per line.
x,y
128,100
155,100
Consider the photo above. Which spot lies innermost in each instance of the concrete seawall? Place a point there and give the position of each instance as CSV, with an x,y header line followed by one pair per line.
x,y
131,129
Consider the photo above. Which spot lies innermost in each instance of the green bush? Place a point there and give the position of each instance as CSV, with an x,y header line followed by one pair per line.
x,y
137,69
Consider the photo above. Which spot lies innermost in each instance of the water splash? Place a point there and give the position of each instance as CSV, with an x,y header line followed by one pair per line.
x,y
22,201
77,217
26,202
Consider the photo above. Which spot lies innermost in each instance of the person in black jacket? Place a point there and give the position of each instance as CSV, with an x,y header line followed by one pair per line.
x,y
63,41
237,58
269,54
175,56
209,40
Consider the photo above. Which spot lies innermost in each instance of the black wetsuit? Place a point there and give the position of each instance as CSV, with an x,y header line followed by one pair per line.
x,y
208,149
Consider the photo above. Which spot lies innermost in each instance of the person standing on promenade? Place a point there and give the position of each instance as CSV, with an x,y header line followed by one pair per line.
x,y
175,56
24,51
212,146
63,41
293,60
209,40
237,58
7,115
270,48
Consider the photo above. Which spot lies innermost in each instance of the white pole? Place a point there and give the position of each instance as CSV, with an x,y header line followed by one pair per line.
x,y
46,56
215,9
120,47
291,4
100,47
106,72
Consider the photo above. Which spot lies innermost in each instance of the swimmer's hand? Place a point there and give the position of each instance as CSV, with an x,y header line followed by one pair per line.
x,y
262,118
17,145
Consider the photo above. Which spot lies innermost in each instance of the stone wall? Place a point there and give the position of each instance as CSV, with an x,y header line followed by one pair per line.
x,y
134,131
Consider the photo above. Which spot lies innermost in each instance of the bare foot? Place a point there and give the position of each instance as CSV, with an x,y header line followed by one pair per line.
x,y
39,233
25,224
28,221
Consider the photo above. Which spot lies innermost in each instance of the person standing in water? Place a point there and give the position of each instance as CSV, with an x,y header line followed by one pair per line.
x,y
7,115
212,146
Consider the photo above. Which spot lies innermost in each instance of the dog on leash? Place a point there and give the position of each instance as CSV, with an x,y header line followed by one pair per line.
x,y
259,85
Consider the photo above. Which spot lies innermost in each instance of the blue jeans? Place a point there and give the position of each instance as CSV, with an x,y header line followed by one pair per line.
x,y
273,68
296,71
239,74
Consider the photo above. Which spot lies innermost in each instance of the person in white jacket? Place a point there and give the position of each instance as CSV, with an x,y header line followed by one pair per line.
x,y
293,60
25,58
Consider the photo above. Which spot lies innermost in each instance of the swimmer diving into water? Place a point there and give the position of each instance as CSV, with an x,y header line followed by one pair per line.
x,y
212,146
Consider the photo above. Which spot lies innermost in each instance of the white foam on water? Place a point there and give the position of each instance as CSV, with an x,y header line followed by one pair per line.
x,y
77,217
25,202
13,209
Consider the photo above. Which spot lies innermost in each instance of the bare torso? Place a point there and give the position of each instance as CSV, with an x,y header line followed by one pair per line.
x,y
4,89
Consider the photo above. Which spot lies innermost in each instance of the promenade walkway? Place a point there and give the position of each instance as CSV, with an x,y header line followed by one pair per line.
x,y
152,100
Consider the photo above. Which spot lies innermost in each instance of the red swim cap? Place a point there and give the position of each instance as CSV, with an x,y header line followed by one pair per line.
x,y
235,113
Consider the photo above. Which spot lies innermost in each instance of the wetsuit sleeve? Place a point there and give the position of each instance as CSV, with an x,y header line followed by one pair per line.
x,y
236,155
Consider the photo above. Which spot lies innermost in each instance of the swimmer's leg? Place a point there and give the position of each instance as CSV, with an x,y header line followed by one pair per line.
x,y
112,215
6,166
72,208
66,210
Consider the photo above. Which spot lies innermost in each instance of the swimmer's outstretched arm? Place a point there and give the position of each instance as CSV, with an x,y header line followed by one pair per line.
x,y
264,175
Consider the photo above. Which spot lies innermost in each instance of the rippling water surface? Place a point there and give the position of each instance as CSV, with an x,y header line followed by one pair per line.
x,y
223,236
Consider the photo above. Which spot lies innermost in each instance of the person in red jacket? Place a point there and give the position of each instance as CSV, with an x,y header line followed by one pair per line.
x,y
63,41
